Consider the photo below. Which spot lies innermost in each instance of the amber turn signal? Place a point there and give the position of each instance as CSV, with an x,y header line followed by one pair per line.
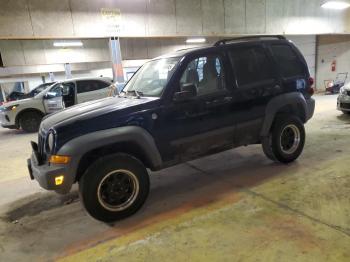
x,y
59,180
54,159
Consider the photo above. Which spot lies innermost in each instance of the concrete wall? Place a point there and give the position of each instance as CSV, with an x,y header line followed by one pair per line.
x,y
42,52
101,18
26,58
332,48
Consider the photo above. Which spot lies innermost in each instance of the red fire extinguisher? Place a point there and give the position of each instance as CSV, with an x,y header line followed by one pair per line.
x,y
334,66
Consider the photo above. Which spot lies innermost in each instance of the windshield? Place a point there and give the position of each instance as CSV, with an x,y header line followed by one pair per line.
x,y
43,92
152,77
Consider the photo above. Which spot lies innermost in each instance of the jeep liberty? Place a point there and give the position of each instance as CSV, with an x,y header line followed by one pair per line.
x,y
176,108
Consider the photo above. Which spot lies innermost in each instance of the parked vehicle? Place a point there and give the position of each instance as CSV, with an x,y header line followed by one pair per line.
x,y
343,101
178,107
13,96
333,87
28,113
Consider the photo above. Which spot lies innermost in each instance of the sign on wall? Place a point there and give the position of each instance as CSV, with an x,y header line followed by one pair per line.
x,y
112,19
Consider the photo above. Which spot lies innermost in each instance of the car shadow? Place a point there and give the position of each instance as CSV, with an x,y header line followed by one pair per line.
x,y
344,118
11,132
174,191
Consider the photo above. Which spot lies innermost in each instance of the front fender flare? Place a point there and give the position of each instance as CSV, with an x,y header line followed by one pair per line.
x,y
79,146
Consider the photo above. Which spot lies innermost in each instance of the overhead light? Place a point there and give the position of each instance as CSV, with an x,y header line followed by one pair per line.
x,y
67,43
335,4
195,40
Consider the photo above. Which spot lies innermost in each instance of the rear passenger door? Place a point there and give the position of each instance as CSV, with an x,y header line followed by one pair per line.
x,y
256,81
88,90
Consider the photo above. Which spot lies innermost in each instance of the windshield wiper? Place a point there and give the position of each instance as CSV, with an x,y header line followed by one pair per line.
x,y
138,94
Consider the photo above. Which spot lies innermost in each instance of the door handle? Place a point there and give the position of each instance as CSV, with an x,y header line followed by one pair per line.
x,y
223,100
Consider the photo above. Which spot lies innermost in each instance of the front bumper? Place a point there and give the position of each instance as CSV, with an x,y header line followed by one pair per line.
x,y
7,119
45,173
343,103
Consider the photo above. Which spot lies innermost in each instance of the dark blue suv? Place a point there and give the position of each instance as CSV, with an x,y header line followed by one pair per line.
x,y
178,107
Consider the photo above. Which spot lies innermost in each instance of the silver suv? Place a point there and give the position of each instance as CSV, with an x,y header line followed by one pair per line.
x,y
28,113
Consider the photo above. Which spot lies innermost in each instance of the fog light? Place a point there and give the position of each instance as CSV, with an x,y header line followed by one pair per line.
x,y
59,180
59,159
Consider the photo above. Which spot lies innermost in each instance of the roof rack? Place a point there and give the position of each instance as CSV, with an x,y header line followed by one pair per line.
x,y
225,41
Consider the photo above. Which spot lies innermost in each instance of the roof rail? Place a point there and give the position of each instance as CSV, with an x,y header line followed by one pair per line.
x,y
253,37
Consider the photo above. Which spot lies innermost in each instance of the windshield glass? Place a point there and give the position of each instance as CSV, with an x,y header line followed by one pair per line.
x,y
152,77
43,92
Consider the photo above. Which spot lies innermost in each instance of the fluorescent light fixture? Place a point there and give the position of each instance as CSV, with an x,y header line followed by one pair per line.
x,y
67,43
335,4
195,40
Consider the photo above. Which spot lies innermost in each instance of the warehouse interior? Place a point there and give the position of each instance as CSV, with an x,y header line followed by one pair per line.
x,y
235,205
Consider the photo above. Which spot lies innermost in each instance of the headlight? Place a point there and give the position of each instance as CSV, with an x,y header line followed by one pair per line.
x,y
343,91
50,141
10,108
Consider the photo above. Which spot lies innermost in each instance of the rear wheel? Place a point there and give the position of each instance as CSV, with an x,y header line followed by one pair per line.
x,y
30,121
286,139
114,187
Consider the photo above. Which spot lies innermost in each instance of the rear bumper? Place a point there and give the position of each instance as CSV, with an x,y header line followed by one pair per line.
x,y
46,173
310,108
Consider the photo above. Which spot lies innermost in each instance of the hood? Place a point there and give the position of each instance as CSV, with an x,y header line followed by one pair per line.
x,y
347,87
93,109
19,102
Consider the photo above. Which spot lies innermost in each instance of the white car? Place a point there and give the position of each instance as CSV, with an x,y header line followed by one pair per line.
x,y
343,101
27,113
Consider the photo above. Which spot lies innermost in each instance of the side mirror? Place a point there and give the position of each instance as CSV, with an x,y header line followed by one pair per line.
x,y
188,91
50,95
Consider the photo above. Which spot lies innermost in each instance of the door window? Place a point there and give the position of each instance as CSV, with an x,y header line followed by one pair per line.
x,y
288,61
60,89
206,73
90,85
251,65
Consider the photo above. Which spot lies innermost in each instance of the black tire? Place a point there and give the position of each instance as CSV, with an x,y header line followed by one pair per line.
x,y
30,121
267,148
286,140
346,112
101,185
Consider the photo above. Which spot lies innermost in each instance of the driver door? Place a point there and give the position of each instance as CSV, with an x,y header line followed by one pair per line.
x,y
202,124
53,99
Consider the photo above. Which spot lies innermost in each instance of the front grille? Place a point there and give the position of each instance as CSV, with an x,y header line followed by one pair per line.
x,y
41,145
345,105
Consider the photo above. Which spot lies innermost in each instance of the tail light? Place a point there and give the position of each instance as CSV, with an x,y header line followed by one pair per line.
x,y
311,91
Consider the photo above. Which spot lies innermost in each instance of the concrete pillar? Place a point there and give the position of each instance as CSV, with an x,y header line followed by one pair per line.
x,y
2,94
68,70
116,58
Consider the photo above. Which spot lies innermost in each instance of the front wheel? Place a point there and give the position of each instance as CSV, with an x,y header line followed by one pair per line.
x,y
286,140
114,187
30,121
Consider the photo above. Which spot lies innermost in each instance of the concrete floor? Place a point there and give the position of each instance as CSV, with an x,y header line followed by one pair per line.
x,y
233,206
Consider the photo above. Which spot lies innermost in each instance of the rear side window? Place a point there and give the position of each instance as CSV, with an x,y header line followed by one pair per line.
x,y
251,65
90,85
288,61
